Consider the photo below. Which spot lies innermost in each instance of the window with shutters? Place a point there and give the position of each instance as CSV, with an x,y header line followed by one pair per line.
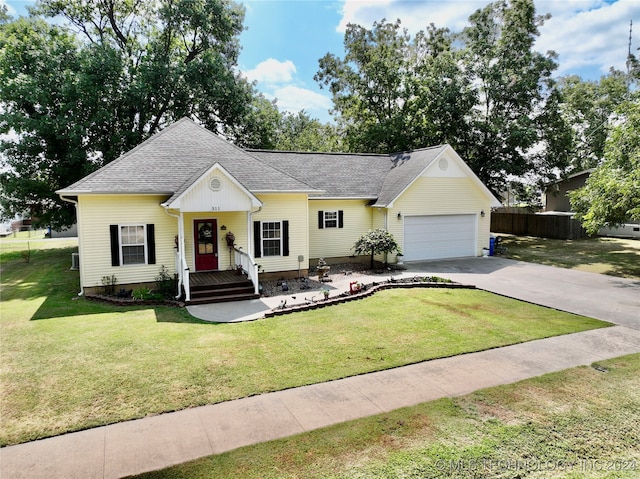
x,y
271,238
133,244
330,219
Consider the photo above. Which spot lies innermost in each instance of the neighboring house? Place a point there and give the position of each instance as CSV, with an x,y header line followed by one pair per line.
x,y
174,199
556,196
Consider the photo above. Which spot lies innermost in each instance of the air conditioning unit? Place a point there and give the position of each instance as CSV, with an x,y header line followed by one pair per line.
x,y
75,261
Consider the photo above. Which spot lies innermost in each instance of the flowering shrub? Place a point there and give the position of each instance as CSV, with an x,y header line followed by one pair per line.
x,y
376,242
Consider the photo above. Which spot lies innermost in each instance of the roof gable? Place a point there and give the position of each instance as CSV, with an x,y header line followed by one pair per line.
x,y
215,190
169,162
438,161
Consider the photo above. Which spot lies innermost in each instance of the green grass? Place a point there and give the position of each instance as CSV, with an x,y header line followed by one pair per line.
x,y
69,364
578,423
612,256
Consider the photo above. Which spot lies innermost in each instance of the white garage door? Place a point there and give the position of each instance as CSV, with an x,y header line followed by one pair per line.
x,y
439,236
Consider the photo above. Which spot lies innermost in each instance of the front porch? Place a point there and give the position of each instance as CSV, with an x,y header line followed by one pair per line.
x,y
220,286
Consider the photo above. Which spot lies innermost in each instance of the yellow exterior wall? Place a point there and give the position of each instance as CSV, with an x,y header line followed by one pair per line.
x,y
294,208
97,212
337,242
442,196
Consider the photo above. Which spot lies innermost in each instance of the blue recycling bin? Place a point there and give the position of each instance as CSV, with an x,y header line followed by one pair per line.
x,y
492,245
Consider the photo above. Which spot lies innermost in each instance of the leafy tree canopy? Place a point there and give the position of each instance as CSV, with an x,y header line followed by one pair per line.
x,y
486,91
611,195
76,94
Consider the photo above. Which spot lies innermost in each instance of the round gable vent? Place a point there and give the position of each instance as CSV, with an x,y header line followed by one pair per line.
x,y
443,164
215,184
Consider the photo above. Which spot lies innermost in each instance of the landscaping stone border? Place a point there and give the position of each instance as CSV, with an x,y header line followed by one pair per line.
x,y
117,301
370,290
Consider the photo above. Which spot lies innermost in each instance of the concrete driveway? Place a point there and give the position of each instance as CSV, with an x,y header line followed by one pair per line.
x,y
595,295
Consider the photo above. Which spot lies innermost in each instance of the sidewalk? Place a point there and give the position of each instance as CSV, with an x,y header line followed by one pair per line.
x,y
157,442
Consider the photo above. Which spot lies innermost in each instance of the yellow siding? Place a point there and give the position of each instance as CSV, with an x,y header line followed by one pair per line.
x,y
337,242
294,208
97,212
442,196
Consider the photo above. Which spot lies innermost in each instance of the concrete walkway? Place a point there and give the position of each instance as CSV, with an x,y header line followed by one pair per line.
x,y
157,442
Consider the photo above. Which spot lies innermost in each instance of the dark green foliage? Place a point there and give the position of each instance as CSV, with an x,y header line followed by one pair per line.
x,y
165,284
611,195
74,99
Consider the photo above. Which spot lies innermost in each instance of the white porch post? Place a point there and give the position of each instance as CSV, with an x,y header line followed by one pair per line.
x,y
185,269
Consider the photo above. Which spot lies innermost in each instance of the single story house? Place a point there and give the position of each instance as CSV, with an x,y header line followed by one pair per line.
x,y
189,200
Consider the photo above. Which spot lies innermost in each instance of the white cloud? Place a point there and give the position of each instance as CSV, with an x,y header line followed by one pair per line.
x,y
293,99
272,71
587,34
10,10
278,80
596,37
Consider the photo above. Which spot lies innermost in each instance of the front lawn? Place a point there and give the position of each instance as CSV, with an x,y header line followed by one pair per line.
x,y
577,423
69,364
612,256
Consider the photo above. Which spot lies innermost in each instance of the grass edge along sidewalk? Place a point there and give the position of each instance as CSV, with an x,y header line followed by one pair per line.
x,y
580,422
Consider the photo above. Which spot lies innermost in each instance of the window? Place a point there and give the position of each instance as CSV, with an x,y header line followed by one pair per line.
x,y
132,244
330,219
271,238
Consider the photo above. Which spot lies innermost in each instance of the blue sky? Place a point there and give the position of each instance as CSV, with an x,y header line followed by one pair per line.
x,y
285,38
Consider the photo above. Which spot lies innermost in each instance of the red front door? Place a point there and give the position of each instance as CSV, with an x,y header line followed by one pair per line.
x,y
206,242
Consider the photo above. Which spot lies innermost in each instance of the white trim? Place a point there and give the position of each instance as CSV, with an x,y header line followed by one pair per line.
x,y
336,219
263,239
121,244
462,165
175,203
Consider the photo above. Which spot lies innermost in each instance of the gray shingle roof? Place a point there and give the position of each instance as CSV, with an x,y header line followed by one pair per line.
x,y
339,175
375,177
173,159
170,161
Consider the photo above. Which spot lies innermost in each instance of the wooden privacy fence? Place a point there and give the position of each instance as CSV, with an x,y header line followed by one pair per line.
x,y
543,226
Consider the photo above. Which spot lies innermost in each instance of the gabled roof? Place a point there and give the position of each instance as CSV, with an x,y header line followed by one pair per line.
x,y
171,160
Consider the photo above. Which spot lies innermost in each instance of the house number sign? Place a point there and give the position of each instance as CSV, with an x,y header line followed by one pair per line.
x,y
215,208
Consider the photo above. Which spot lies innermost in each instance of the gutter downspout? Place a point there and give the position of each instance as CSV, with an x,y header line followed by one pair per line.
x,y
75,204
183,262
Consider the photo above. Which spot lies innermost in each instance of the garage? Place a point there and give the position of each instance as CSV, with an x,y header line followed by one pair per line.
x,y
439,236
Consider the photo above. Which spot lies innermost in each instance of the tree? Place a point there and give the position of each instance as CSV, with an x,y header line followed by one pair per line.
x,y
300,132
587,106
611,195
78,93
486,91
375,242
512,117
42,111
368,86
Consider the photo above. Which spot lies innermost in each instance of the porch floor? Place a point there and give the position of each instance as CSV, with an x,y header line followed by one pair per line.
x,y
220,286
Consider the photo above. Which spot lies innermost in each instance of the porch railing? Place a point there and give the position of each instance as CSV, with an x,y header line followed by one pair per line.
x,y
249,266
